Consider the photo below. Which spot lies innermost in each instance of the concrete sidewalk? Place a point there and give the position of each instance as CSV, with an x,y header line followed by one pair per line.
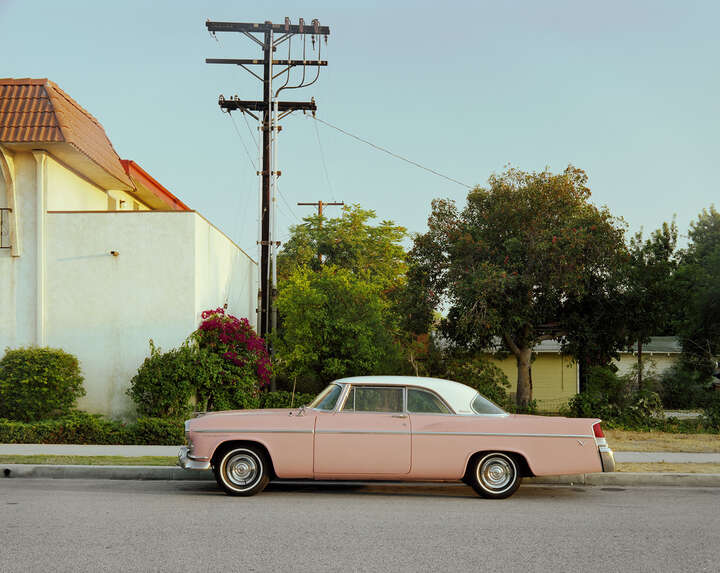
x,y
172,451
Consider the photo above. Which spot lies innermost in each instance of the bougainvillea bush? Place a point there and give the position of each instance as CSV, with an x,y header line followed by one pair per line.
x,y
221,366
236,341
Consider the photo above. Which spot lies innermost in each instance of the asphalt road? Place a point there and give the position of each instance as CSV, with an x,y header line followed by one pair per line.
x,y
104,525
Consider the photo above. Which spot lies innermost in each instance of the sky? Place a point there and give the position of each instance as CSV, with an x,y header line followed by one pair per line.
x,y
628,91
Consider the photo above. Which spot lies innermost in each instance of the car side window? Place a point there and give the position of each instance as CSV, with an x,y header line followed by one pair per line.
x,y
424,402
374,399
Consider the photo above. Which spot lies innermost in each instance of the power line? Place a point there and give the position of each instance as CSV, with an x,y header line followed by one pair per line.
x,y
324,164
282,196
395,155
243,142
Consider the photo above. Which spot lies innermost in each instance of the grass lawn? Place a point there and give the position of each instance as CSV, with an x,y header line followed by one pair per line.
x,y
90,460
670,468
626,441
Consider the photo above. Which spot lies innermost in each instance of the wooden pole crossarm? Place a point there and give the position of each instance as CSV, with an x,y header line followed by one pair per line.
x,y
256,62
232,104
266,27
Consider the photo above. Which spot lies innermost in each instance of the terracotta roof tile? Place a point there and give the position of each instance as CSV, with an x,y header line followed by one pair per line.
x,y
38,111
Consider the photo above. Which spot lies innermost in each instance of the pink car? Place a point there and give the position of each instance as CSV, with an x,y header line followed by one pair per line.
x,y
392,428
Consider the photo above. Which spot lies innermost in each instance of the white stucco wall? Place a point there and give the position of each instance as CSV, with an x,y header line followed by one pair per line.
x,y
224,274
70,192
18,280
105,308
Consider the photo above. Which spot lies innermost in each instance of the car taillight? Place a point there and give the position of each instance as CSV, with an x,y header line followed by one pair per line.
x,y
597,430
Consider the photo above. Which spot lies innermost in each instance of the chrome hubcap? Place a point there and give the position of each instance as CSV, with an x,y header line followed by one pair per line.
x,y
496,473
242,469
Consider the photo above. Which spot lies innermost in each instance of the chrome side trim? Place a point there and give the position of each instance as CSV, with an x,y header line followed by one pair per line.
x,y
251,431
501,434
406,433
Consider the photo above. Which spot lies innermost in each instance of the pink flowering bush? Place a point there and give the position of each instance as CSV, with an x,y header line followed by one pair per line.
x,y
221,366
236,341
245,361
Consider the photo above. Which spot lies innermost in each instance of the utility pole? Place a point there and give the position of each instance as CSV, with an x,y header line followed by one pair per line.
x,y
270,110
319,205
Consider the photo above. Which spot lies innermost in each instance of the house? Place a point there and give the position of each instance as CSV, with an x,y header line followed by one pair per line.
x,y
661,353
555,376
96,256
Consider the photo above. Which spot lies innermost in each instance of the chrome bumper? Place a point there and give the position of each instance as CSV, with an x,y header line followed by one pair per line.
x,y
607,458
187,463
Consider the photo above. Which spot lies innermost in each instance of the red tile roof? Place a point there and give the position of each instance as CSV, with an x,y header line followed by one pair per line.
x,y
36,111
153,193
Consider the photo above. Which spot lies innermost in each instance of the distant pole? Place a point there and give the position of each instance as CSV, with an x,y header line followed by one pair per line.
x,y
319,205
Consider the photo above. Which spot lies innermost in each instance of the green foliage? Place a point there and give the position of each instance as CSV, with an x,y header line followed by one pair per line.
x,y
372,252
481,374
698,279
282,399
38,383
219,367
511,260
613,399
340,300
157,431
711,412
84,428
334,324
684,387
166,382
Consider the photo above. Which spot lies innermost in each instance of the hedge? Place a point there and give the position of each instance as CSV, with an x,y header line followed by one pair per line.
x,y
84,428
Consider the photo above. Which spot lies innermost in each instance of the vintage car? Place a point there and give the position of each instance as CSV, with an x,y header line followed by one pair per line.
x,y
392,428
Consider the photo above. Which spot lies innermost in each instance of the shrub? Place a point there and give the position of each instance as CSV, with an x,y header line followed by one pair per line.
x,y
282,398
221,366
684,387
38,383
235,340
611,398
711,412
166,382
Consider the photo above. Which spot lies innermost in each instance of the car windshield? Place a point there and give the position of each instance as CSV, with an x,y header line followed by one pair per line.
x,y
481,405
327,399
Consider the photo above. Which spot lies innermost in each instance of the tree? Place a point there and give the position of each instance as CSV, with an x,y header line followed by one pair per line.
x,y
373,252
338,300
650,289
509,262
698,277
334,324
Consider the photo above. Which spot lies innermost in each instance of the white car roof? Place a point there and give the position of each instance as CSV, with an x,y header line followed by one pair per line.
x,y
458,396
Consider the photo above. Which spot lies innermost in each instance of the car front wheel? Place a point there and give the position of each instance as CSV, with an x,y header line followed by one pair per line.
x,y
242,470
494,475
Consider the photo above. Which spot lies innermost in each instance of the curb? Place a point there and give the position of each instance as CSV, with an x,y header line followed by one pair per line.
x,y
170,473
103,472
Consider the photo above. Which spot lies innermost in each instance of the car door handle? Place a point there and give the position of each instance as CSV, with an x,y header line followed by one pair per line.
x,y
399,415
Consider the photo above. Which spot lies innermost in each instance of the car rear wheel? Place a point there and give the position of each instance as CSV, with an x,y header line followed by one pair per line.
x,y
494,475
242,470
